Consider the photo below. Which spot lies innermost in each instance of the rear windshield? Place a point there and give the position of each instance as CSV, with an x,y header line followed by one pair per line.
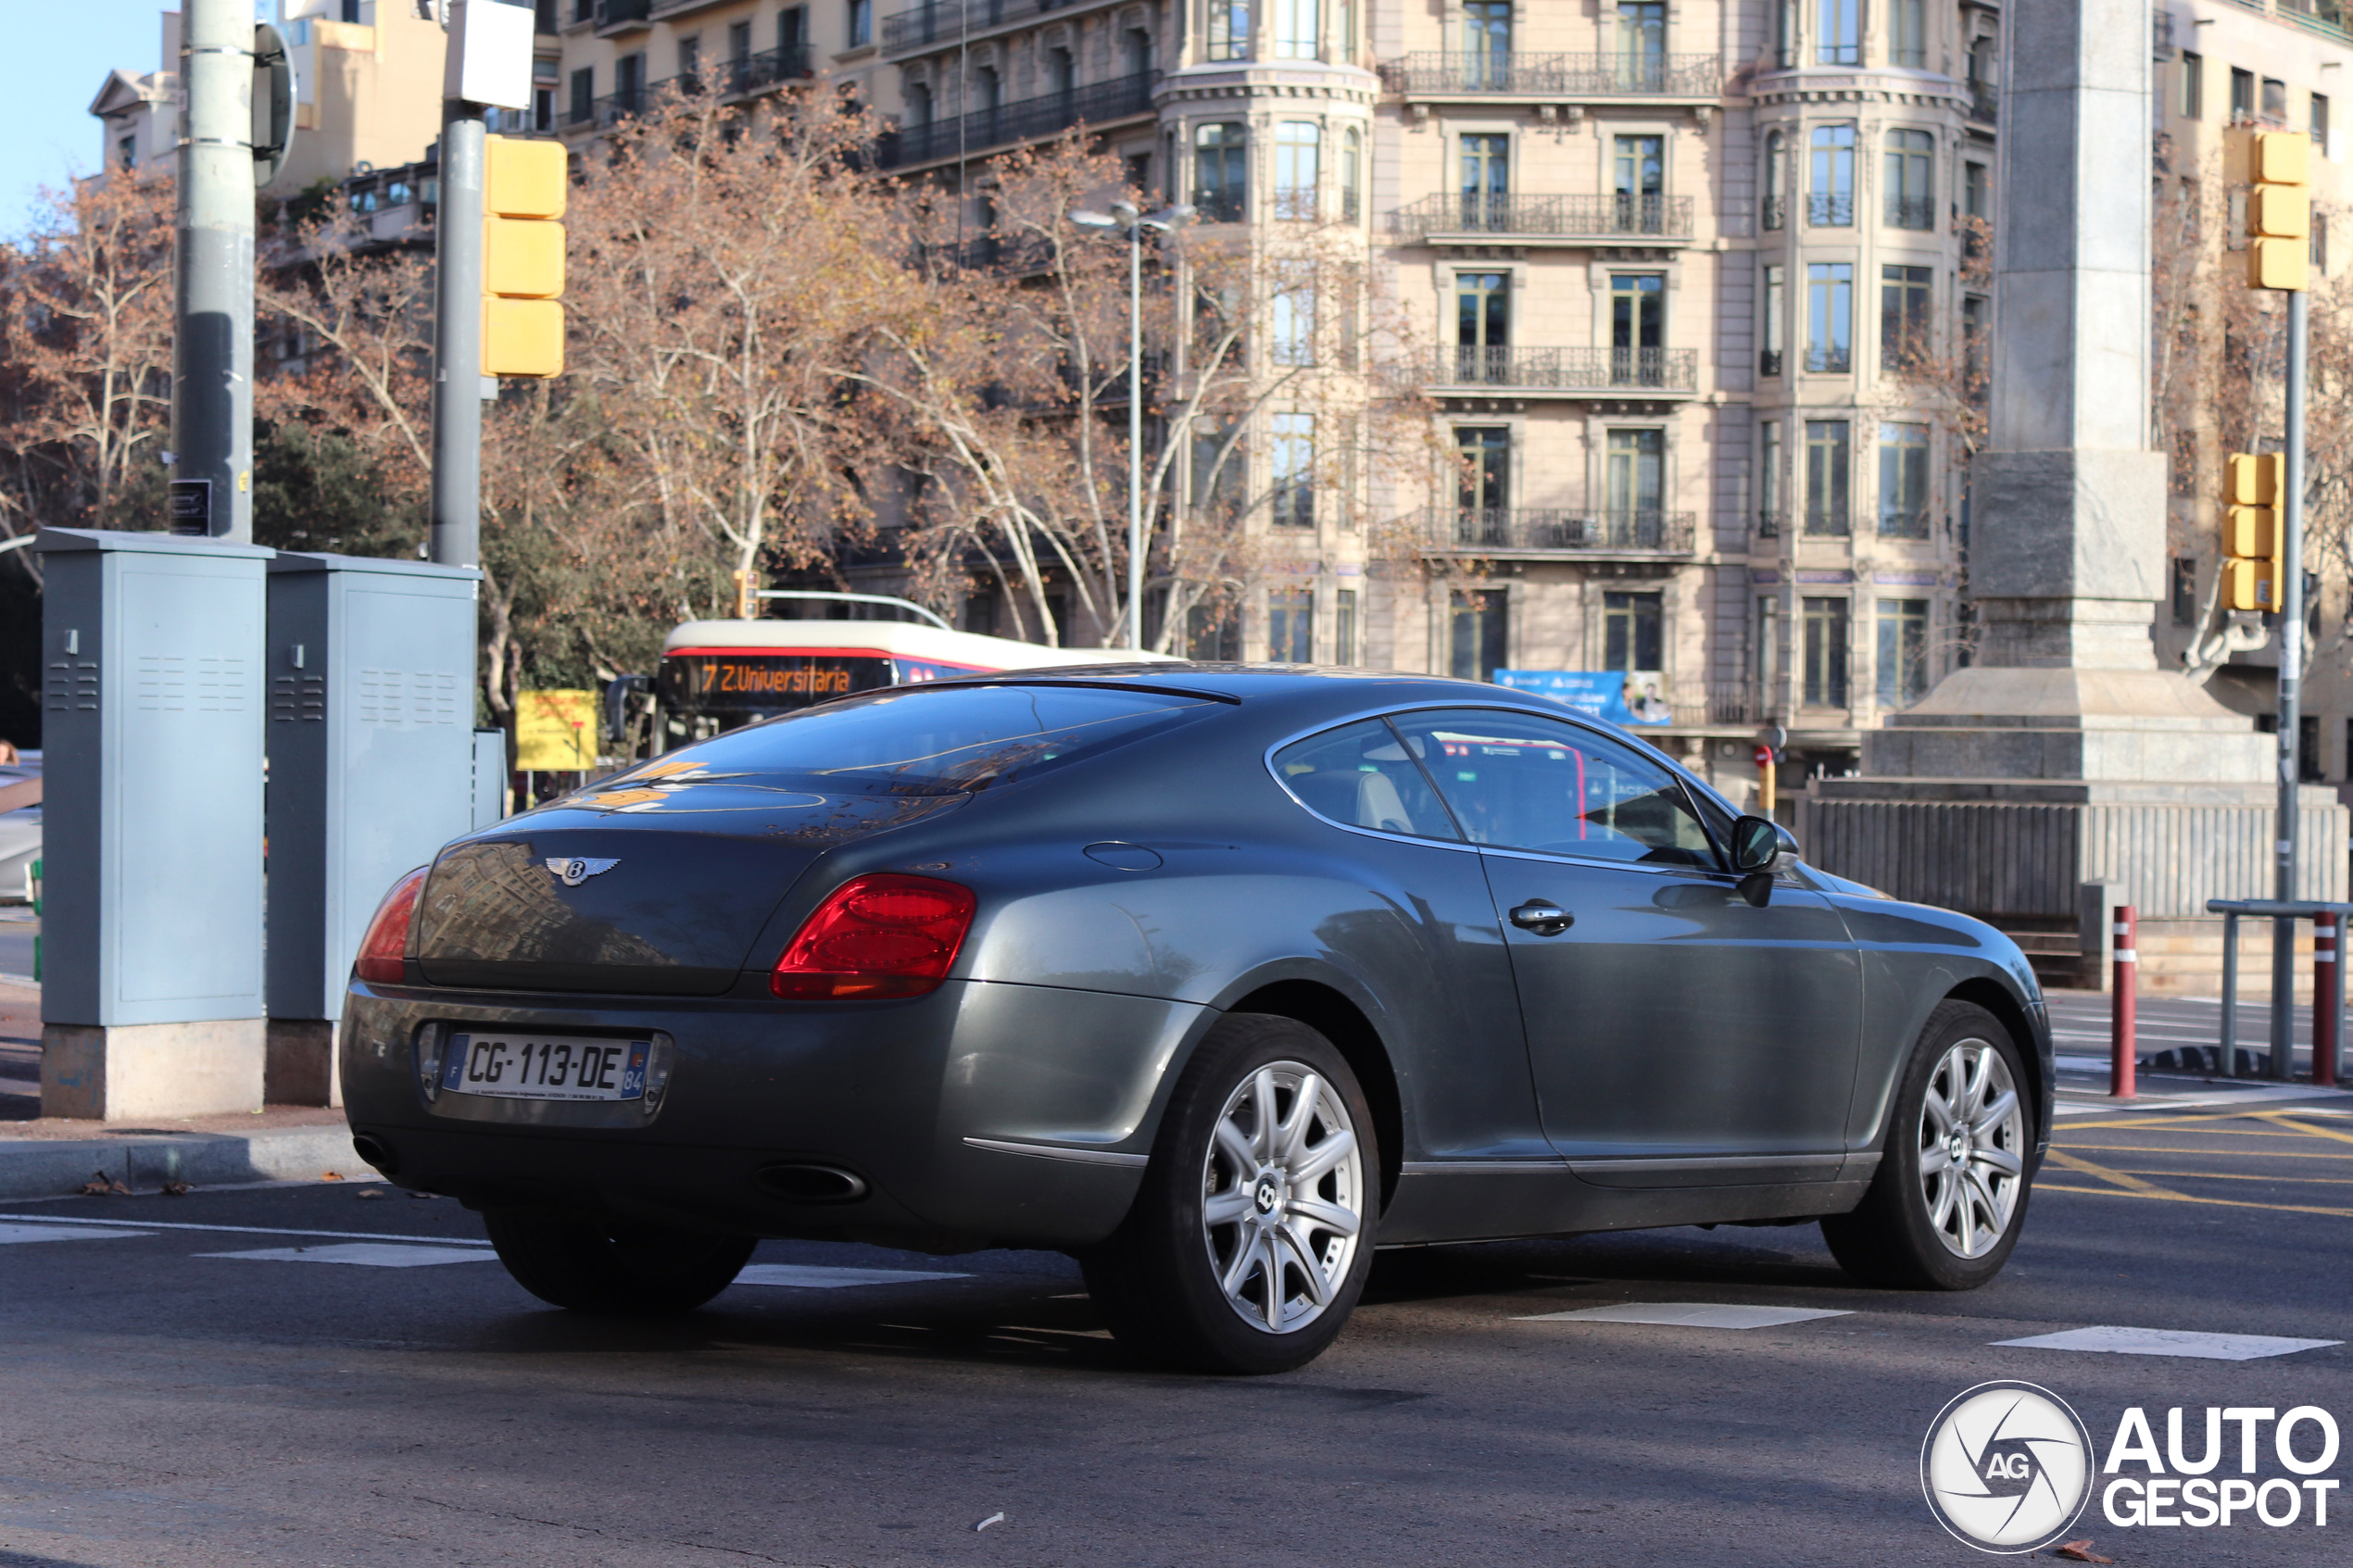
x,y
942,740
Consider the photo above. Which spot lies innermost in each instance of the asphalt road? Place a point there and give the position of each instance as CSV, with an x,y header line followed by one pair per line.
x,y
165,1406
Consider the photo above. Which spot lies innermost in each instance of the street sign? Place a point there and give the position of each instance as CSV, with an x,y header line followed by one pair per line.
x,y
555,730
1762,756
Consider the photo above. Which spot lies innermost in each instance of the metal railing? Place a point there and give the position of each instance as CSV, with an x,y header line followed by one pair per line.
x,y
1912,212
1601,369
747,74
1444,73
1770,524
1768,361
1608,216
1523,530
1826,361
1982,106
1025,121
1776,212
621,13
750,73
1022,253
946,21
1723,703
1910,524
1827,209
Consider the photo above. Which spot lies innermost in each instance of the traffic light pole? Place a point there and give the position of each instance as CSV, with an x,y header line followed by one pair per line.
x,y
212,351
456,382
2291,624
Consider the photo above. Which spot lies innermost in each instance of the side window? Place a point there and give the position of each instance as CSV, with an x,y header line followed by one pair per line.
x,y
1360,776
1523,782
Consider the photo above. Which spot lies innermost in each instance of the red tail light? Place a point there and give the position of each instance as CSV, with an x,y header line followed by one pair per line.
x,y
877,937
387,940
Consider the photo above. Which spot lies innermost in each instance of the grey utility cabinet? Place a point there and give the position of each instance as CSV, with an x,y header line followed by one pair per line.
x,y
151,653
371,752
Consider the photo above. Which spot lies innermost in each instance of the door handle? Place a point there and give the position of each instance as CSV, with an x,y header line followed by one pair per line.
x,y
1543,917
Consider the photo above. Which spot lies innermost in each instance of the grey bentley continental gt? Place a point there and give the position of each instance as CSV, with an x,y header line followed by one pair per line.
x,y
1216,977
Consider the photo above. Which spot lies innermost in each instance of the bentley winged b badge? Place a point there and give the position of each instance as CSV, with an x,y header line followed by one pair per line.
x,y
572,872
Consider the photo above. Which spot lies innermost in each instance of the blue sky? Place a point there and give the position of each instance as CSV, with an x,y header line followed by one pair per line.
x,y
63,52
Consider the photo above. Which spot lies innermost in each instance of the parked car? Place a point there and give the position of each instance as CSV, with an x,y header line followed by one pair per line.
x,y
1213,976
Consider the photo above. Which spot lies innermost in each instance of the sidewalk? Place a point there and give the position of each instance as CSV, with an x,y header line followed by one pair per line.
x,y
2177,1042
49,1156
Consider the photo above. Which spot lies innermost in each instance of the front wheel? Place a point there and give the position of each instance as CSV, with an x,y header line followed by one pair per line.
x,y
627,1271
1251,1238
1944,1212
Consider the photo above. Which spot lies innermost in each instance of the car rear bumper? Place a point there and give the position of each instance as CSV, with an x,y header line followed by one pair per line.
x,y
983,1113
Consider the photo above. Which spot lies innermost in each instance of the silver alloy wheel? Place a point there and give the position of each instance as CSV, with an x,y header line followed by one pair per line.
x,y
1972,1149
1282,1197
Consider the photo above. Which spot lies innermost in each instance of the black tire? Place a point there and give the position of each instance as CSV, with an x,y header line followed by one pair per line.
x,y
1901,1237
1159,1280
620,1270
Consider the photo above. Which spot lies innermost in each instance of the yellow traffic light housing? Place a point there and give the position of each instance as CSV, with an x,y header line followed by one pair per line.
x,y
2279,211
2253,484
525,186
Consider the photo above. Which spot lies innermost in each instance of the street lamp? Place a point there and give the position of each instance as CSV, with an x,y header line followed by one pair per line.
x,y
1125,216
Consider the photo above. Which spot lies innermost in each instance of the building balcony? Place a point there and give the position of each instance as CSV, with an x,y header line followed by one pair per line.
x,y
1030,119
1530,220
1432,74
1719,705
752,73
1910,212
1830,209
1556,530
1566,373
956,22
1982,106
617,16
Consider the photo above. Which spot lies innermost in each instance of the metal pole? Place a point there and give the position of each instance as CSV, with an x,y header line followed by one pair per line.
x,y
456,382
2327,997
1136,435
2123,1023
212,347
2228,1065
2291,623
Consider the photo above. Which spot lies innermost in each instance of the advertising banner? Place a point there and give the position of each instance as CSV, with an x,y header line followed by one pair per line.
x,y
1612,695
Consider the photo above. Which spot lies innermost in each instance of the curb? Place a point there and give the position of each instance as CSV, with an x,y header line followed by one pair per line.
x,y
47,1168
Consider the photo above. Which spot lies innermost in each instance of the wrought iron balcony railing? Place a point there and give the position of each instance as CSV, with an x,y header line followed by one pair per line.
x,y
1912,212
1449,73
1598,216
1982,106
750,73
945,21
1827,209
1775,211
1770,524
1829,360
1768,361
1569,370
1530,529
1021,121
612,15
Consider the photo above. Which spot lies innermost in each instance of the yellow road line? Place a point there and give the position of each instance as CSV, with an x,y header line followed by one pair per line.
x,y
2130,1184
2146,1122
2245,1176
2281,1118
2179,1198
2171,1149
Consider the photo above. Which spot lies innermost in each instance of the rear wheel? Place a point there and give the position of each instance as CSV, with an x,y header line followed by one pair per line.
x,y
632,1270
1251,1238
1944,1212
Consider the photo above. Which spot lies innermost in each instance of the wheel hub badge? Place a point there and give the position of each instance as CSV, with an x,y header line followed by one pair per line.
x,y
1267,1194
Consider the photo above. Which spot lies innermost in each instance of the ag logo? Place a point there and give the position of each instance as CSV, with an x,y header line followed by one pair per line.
x,y
2006,1467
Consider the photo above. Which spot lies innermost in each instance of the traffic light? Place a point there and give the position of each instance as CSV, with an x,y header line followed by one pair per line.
x,y
2251,532
522,257
2279,210
746,596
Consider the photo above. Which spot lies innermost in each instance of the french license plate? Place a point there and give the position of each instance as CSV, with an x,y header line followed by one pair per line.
x,y
545,1067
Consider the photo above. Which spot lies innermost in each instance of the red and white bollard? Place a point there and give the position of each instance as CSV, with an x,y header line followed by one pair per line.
x,y
2121,1023
2328,997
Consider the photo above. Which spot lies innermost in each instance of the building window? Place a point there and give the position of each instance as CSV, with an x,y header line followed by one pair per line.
x,y
1977,191
1486,40
2184,590
1776,180
1636,477
2320,246
1637,329
583,10
1825,661
1768,479
2309,766
1768,646
2274,101
1631,632
1344,626
1296,24
1228,29
1214,633
2321,124
1908,41
1485,492
1351,160
2242,93
1218,473
1830,199
543,109
861,22
1829,452
690,61
1840,39
1479,640
1290,626
1911,179
1642,45
1486,184
1482,327
1902,317
1221,158
1903,481
584,94
2193,86
629,82
1294,476
126,151
1297,148
1829,311
1975,313
1768,358
1641,170
1903,652
792,35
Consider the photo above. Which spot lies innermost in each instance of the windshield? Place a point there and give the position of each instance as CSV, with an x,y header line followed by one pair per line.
x,y
934,740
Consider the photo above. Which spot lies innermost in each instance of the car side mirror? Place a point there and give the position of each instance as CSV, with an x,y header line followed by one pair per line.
x,y
1761,845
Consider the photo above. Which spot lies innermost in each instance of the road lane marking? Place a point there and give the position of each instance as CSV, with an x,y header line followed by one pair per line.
x,y
373,1255
1691,1315
2173,1148
242,1230
2279,1119
814,1277
2171,1342
2243,1176
2185,1198
11,1234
